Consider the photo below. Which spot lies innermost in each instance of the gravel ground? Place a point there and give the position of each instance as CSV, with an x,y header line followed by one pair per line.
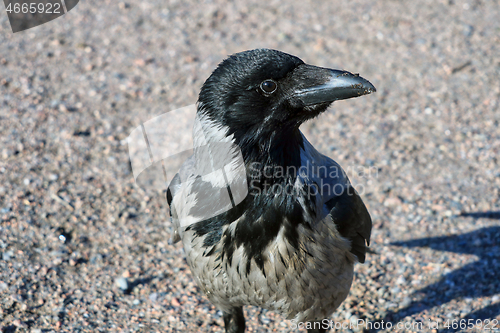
x,y
84,249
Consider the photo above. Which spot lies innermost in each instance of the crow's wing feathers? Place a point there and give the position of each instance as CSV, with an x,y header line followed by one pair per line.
x,y
340,199
352,219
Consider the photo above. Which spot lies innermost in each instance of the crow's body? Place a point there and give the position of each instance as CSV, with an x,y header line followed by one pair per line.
x,y
289,245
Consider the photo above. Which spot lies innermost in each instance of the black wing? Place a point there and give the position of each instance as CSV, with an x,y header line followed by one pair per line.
x,y
352,219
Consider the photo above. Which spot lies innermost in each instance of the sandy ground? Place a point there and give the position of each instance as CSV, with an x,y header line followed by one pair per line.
x,y
75,229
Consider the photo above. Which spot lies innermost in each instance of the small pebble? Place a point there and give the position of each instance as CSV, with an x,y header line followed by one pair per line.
x,y
7,255
396,290
406,302
122,283
17,298
401,280
175,302
153,297
409,259
19,323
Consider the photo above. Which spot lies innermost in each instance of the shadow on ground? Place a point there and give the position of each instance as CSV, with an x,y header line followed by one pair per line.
x,y
471,281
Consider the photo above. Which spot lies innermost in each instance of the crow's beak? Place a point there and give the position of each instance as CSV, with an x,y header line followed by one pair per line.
x,y
336,85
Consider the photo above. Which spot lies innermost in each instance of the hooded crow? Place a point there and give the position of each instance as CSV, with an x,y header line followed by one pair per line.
x,y
265,219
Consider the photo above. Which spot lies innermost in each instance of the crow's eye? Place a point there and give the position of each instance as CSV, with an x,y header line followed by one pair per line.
x,y
268,86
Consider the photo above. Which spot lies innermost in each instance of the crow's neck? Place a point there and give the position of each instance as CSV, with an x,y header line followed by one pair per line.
x,y
272,157
270,147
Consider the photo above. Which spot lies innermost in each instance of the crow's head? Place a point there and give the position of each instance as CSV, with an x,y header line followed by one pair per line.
x,y
264,92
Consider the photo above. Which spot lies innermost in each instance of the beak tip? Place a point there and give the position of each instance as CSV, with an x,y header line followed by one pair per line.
x,y
359,85
367,88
